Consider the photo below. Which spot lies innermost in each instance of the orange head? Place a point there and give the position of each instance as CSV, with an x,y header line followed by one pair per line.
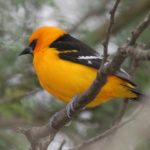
x,y
43,37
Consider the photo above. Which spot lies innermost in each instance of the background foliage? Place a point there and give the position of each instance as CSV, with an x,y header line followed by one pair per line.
x,y
22,101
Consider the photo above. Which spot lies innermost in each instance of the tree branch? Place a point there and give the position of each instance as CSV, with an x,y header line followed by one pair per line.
x,y
108,131
59,119
62,144
122,111
139,29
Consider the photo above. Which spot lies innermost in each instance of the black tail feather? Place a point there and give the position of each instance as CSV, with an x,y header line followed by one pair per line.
x,y
139,93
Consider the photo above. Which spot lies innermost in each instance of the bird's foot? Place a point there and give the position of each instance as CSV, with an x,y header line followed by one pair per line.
x,y
70,107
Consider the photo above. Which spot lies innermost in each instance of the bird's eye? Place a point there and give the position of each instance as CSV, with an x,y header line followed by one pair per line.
x,y
33,44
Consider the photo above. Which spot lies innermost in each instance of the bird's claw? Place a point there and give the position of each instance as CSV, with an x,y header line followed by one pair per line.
x,y
69,109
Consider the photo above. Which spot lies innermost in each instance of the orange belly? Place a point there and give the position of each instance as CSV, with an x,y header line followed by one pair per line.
x,y
65,79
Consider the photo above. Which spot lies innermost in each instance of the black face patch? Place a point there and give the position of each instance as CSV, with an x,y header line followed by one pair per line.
x,y
33,44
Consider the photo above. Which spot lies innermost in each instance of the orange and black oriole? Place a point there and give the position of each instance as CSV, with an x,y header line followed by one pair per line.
x,y
65,67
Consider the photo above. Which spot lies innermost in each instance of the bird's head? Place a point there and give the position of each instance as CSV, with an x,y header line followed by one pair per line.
x,y
41,38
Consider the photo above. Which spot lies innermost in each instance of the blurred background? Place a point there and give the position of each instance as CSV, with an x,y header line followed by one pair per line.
x,y
22,101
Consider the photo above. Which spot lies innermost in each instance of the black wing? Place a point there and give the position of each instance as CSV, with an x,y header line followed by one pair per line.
x,y
76,51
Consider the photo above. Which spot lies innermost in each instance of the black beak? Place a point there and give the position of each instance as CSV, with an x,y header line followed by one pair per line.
x,y
27,50
30,48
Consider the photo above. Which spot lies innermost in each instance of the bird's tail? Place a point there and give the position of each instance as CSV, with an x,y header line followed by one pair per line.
x,y
139,94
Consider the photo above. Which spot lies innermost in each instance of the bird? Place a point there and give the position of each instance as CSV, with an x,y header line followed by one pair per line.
x,y
66,66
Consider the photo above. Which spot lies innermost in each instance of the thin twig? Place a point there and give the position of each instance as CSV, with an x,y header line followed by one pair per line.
x,y
45,142
111,23
61,145
134,65
122,111
139,29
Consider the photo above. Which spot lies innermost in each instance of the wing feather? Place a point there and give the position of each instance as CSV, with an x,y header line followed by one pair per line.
x,y
74,50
